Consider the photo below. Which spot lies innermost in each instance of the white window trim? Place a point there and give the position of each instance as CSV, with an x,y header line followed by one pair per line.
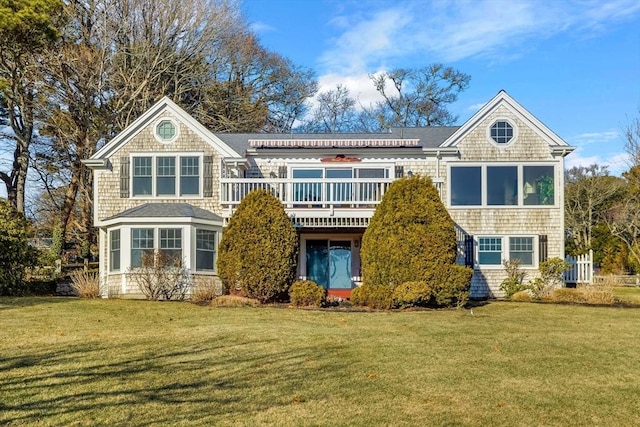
x,y
483,185
194,250
109,269
505,144
188,237
505,251
155,130
154,175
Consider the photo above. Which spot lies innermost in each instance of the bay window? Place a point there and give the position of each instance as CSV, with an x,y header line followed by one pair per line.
x,y
205,250
114,250
141,245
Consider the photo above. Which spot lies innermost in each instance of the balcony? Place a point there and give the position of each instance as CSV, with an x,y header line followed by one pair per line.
x,y
315,202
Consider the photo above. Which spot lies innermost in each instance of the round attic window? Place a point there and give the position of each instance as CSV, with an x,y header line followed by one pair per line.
x,y
166,131
501,132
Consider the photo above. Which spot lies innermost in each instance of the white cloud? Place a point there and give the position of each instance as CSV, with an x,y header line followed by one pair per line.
x,y
261,27
449,31
594,138
475,107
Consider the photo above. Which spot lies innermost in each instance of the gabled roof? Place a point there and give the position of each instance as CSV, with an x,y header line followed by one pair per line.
x,y
167,210
165,104
502,99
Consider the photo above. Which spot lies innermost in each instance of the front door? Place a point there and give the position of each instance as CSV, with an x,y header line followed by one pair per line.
x,y
329,263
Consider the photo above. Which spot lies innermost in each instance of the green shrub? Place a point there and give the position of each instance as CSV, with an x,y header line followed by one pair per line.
x,y
412,294
258,251
410,234
307,293
551,277
15,253
451,284
515,278
373,296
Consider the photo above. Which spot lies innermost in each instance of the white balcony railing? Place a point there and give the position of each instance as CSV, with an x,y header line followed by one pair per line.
x,y
294,193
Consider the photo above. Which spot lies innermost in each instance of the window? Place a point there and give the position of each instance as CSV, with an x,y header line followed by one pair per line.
x,y
189,176
166,176
521,248
166,130
501,132
142,176
371,191
466,186
205,250
307,191
502,185
339,191
171,243
114,250
159,176
538,185
490,250
141,244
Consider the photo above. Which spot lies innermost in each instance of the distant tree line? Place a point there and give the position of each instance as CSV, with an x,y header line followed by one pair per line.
x,y
602,212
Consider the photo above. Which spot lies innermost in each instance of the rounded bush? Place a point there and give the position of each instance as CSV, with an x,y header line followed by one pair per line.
x,y
307,293
412,294
410,234
373,296
258,250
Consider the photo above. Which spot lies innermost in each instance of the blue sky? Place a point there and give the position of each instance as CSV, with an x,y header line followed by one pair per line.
x,y
575,65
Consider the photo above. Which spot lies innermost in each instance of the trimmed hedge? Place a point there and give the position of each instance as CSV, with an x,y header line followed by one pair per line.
x,y
410,294
410,234
373,296
258,251
307,293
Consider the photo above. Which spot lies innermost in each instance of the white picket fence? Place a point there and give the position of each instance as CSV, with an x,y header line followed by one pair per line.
x,y
581,268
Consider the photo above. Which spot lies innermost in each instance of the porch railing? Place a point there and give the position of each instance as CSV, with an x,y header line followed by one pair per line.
x,y
309,193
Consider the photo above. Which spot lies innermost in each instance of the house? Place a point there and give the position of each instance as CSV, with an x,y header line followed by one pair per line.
x,y
167,183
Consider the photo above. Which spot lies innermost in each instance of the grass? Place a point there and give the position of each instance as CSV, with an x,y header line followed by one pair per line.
x,y
627,294
122,362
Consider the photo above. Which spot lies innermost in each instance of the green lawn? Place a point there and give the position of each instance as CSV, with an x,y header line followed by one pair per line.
x,y
117,362
628,294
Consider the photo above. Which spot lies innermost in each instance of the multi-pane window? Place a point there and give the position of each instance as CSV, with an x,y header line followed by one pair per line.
x,y
502,185
501,132
159,176
205,250
521,248
171,244
466,186
189,175
114,250
490,250
166,176
493,250
141,245
166,130
142,176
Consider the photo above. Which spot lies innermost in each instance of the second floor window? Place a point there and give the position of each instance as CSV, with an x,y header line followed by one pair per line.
x,y
166,176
